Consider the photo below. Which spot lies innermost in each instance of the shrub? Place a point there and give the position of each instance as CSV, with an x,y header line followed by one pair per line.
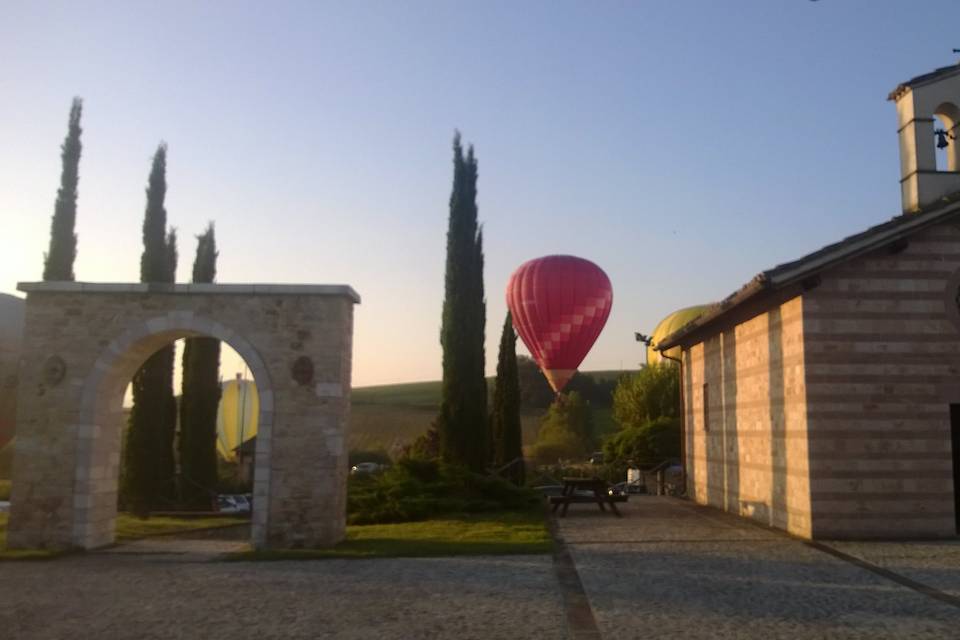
x,y
649,443
378,456
566,431
556,445
422,469
651,393
417,488
427,444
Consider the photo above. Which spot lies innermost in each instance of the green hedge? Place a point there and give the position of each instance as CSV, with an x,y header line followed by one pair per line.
x,y
417,489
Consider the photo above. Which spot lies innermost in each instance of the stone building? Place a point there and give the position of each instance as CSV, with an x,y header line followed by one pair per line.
x,y
823,397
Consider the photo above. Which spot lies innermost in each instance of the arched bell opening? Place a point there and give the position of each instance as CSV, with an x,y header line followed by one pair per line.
x,y
945,129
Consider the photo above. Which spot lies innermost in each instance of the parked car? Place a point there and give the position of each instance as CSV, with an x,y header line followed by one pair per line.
x,y
365,467
629,488
239,503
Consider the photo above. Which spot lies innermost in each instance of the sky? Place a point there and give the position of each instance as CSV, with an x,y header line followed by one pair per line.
x,y
682,146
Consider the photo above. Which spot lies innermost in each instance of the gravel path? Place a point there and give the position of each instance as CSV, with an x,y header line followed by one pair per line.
x,y
669,569
141,596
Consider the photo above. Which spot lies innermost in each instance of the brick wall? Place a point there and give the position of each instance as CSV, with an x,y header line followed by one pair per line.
x,y
883,366
747,448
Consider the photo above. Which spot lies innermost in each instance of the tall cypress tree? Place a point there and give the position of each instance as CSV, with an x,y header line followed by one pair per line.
x,y
505,420
462,424
149,461
200,396
58,262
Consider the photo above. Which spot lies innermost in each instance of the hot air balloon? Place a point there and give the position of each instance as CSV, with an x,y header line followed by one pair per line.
x,y
236,416
669,325
559,306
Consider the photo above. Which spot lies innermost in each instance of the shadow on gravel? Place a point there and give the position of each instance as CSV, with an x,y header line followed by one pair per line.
x,y
750,584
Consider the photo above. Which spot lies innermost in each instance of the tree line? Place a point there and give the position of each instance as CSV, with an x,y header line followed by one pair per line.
x,y
150,479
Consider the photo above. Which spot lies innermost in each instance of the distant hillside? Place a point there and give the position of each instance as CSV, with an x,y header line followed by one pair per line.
x,y
391,416
427,394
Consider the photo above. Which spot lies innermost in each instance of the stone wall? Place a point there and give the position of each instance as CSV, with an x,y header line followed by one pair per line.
x,y
746,424
883,365
82,345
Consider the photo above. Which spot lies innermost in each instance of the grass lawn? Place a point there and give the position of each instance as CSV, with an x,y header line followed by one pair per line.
x,y
128,528
496,533
133,528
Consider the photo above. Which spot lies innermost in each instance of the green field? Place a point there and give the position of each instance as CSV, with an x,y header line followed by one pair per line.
x,y
388,417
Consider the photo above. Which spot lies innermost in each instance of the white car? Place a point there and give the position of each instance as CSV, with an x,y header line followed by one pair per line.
x,y
233,504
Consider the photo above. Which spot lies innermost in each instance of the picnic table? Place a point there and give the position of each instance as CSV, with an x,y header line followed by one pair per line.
x,y
599,493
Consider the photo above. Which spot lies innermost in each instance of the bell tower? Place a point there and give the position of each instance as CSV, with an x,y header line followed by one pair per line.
x,y
927,120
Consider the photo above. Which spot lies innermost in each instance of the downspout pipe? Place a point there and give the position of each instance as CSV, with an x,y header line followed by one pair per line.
x,y
683,419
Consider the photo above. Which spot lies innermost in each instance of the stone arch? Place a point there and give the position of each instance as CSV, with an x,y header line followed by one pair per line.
x,y
82,343
102,394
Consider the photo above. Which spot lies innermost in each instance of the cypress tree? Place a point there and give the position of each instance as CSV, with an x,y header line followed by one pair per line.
x,y
462,423
149,461
200,396
505,420
58,262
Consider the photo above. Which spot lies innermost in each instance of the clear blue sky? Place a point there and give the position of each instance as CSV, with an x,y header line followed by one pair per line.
x,y
682,146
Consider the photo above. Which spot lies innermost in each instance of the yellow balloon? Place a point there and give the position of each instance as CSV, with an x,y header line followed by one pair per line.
x,y
668,325
236,416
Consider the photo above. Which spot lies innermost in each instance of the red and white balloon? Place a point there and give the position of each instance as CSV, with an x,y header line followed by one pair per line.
x,y
559,306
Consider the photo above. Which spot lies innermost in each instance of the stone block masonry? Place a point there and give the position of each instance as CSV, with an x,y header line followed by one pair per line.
x,y
83,342
828,414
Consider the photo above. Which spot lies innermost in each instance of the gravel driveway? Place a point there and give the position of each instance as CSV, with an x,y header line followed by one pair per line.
x,y
670,569
667,569
160,595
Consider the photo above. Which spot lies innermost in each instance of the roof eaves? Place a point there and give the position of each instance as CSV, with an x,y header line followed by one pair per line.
x,y
922,79
793,272
754,287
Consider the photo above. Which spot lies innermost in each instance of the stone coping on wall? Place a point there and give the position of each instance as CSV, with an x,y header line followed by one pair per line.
x,y
207,289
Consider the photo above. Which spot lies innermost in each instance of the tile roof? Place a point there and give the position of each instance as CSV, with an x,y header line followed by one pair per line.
x,y
923,79
794,272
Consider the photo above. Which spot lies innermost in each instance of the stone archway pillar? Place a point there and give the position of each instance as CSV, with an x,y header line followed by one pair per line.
x,y
82,344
